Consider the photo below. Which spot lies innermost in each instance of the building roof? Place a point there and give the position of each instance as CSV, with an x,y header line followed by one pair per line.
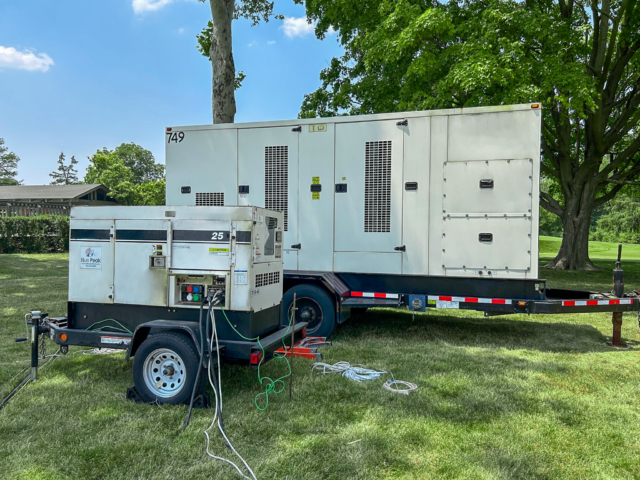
x,y
46,192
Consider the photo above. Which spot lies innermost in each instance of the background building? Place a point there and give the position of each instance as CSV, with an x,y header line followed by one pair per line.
x,y
30,200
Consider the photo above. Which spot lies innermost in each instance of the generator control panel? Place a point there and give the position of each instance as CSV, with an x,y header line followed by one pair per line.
x,y
193,289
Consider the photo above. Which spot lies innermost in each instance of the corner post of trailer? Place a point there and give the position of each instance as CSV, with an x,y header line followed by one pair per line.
x,y
36,320
618,291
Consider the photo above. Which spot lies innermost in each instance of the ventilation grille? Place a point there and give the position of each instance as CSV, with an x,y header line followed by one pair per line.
x,y
263,279
276,181
210,199
377,186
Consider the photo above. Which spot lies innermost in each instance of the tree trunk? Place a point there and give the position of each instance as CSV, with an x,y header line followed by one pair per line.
x,y
574,250
223,101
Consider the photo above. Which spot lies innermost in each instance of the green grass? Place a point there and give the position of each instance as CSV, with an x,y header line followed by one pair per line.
x,y
539,397
549,247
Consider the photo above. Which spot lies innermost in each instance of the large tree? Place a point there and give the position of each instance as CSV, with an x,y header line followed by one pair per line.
x,y
8,165
216,43
130,173
65,174
580,58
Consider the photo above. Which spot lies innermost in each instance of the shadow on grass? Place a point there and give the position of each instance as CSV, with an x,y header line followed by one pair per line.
x,y
508,332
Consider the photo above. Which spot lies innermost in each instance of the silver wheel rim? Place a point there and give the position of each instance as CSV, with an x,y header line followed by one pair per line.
x,y
164,373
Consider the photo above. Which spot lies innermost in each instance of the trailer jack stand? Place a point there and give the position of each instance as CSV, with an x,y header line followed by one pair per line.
x,y
616,339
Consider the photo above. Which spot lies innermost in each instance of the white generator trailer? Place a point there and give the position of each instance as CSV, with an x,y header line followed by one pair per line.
x,y
427,209
140,278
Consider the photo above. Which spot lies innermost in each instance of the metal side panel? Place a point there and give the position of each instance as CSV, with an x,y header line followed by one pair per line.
x,y
368,262
491,186
438,153
415,197
315,232
201,245
266,286
494,136
268,166
205,161
135,282
91,261
368,216
465,250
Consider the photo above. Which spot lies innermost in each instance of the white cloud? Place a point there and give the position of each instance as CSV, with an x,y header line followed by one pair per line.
x,y
142,6
181,30
297,27
252,44
27,60
271,42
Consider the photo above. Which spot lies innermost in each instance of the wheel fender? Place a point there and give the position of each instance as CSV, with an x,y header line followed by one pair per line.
x,y
142,331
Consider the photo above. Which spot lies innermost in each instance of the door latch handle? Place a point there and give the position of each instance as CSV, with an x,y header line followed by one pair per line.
x,y
401,248
297,246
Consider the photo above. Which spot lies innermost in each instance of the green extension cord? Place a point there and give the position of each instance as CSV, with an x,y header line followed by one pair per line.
x,y
122,328
270,386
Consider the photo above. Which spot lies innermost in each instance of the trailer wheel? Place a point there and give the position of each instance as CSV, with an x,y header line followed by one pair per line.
x,y
314,305
165,369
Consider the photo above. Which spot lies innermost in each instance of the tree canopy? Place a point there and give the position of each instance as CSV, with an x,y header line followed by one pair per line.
x,y
579,58
130,173
65,174
8,165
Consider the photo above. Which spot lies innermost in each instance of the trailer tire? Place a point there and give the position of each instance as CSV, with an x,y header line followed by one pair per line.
x,y
165,369
314,305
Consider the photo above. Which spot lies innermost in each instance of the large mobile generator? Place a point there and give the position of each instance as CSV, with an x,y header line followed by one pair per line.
x,y
427,209
146,279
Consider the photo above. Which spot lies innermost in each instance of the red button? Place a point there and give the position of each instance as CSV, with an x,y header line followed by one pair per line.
x,y
189,288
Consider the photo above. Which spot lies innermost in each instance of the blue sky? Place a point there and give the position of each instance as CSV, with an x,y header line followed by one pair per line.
x,y
78,76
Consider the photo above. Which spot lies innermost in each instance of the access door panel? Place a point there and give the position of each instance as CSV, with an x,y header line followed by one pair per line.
x,y
202,168
316,197
138,283
91,261
368,192
492,243
498,186
268,177
201,245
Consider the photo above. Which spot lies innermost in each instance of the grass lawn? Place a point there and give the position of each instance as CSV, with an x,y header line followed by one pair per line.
x,y
549,247
504,397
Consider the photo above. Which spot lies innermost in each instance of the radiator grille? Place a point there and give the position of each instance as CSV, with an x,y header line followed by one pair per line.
x,y
263,279
276,181
210,199
377,186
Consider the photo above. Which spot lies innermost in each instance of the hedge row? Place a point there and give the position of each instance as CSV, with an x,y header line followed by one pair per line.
x,y
39,234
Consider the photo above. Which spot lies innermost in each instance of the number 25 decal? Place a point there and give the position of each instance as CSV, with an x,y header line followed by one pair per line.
x,y
217,235
176,137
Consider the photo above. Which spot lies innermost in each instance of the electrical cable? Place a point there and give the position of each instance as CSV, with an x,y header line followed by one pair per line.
x,y
217,391
122,327
392,386
352,372
271,385
195,385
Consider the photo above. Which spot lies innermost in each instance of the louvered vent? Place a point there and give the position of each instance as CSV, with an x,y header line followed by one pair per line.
x,y
210,199
263,279
276,181
377,186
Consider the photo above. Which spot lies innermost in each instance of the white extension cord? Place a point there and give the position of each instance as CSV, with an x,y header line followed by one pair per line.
x,y
214,335
392,386
361,374
355,372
